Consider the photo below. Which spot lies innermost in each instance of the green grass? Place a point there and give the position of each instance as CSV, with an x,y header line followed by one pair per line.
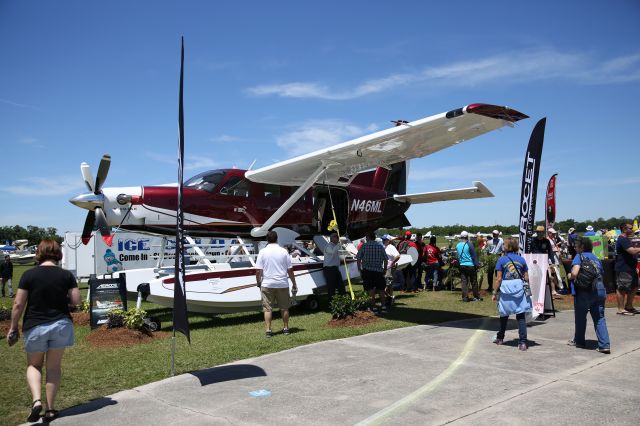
x,y
90,373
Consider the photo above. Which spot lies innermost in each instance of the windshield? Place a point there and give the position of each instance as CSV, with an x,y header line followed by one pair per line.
x,y
206,181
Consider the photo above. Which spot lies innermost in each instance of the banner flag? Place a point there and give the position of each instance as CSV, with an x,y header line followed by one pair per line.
x,y
550,206
180,320
530,185
537,265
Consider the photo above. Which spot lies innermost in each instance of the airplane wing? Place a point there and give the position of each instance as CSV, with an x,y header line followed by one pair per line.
x,y
478,190
411,140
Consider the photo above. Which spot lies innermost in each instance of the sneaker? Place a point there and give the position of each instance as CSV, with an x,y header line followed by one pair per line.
x,y
498,341
477,299
603,350
573,343
286,331
269,333
522,347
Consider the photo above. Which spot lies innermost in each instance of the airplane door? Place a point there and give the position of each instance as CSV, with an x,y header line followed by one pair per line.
x,y
322,208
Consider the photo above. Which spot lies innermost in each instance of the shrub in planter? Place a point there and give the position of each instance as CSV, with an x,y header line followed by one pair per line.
x,y
115,318
134,319
5,313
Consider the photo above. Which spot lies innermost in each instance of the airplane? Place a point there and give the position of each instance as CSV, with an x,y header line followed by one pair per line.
x,y
363,181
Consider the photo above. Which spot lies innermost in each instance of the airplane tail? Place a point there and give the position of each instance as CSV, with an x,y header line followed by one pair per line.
x,y
392,179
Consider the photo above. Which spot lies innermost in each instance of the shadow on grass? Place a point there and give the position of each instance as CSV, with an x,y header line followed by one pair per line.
x,y
89,407
227,373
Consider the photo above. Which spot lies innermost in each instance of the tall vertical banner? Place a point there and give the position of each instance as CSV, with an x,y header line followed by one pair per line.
x,y
530,186
550,203
180,320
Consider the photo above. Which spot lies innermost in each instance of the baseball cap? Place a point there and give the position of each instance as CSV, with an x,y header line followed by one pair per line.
x,y
589,228
386,237
464,234
553,231
571,230
407,233
540,228
495,231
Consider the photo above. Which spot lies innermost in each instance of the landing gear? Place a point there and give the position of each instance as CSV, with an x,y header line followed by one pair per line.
x,y
312,303
153,323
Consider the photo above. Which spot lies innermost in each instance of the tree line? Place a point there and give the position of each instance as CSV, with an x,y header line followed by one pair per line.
x,y
561,226
34,234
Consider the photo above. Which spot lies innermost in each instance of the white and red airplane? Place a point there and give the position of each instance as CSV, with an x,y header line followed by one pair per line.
x,y
364,180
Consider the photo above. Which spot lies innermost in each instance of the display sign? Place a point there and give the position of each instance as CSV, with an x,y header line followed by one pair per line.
x,y
104,295
600,246
537,264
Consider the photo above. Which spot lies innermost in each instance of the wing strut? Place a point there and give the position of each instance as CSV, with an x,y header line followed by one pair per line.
x,y
261,231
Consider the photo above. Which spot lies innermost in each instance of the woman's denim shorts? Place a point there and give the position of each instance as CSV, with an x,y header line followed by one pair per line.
x,y
51,335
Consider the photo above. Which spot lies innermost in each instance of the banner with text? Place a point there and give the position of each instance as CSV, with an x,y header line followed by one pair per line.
x,y
530,186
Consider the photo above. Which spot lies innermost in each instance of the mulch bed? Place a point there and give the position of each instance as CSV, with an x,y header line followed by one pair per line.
x,y
80,318
358,319
121,337
4,328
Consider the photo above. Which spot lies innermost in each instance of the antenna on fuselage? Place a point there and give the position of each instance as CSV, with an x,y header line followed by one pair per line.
x,y
251,166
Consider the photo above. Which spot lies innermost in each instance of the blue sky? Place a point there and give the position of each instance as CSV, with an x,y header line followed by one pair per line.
x,y
268,80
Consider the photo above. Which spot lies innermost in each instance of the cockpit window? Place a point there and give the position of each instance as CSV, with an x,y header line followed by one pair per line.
x,y
206,181
236,187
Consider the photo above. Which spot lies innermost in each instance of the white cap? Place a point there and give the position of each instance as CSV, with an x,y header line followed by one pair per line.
x,y
464,234
589,228
553,231
495,231
571,230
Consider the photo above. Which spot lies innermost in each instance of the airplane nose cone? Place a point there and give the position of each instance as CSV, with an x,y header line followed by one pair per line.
x,y
88,201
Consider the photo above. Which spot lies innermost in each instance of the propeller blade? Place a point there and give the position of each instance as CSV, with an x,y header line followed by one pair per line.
x,y
101,222
103,169
86,175
88,227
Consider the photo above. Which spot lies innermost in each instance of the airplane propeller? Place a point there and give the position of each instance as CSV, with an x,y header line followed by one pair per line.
x,y
94,201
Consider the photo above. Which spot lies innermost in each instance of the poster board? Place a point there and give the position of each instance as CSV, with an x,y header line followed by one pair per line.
x,y
104,295
537,265
600,246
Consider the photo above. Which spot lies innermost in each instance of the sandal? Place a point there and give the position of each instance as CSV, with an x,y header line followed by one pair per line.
x,y
50,415
627,313
632,310
35,411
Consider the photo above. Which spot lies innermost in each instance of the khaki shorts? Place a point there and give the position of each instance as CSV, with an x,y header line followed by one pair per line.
x,y
275,297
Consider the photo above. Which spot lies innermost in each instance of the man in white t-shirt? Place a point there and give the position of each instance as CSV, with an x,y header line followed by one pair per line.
x,y
392,275
273,271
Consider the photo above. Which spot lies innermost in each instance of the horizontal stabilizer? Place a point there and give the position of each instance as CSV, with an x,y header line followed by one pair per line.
x,y
478,190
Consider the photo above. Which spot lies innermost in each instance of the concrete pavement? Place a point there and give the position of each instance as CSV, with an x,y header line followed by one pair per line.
x,y
438,374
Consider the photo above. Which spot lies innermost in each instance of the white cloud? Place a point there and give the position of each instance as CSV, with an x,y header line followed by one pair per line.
x,y
17,104
608,182
225,138
47,186
191,162
527,65
504,168
317,134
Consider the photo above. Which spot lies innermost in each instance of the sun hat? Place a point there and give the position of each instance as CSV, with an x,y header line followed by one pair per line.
x,y
540,228
589,228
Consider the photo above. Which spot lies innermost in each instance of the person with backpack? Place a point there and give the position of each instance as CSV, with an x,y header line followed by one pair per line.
x,y
589,296
512,292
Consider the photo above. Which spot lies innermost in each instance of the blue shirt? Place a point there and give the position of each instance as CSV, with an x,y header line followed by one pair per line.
x,y
466,254
508,269
625,262
589,234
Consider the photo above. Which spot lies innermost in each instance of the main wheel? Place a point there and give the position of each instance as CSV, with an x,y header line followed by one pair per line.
x,y
153,323
312,303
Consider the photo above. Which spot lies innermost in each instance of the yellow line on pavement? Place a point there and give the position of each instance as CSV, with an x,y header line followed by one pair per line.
x,y
402,404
